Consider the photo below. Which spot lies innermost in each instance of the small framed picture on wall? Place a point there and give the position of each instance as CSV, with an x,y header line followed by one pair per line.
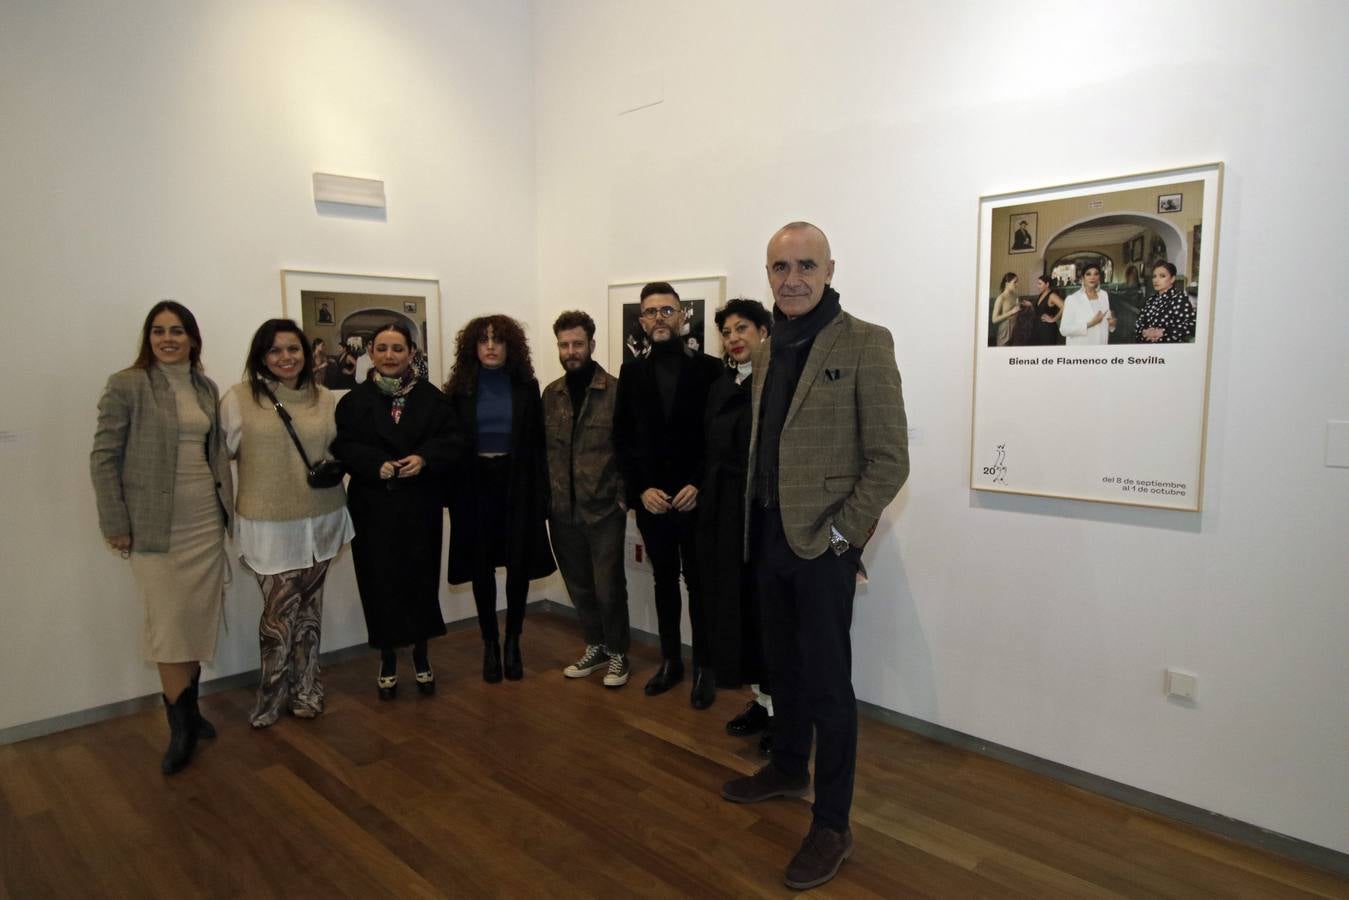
x,y
1021,230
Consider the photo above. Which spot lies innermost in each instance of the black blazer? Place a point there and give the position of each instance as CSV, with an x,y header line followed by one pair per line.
x,y
654,451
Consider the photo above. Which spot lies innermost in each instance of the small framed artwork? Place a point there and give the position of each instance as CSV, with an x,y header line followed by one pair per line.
x,y
1021,228
1136,249
1169,203
700,298
410,306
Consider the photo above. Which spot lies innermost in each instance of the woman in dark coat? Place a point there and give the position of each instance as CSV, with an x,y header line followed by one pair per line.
x,y
393,438
498,496
728,583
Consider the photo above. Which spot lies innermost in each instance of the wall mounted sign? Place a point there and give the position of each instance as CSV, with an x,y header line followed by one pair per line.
x,y
1098,390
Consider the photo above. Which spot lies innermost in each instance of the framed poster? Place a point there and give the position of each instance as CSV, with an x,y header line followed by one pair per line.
x,y
700,297
1102,393
340,314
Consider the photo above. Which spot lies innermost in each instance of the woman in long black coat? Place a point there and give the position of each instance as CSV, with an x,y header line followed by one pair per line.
x,y
498,497
394,438
728,583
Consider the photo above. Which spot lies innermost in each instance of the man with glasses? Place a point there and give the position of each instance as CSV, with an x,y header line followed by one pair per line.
x,y
658,434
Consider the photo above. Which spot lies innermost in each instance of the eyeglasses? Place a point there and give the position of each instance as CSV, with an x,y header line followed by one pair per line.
x,y
663,311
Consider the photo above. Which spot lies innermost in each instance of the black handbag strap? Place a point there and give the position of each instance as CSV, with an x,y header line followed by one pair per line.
x,y
285,419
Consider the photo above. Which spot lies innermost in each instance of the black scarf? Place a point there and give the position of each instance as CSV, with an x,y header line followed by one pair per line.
x,y
788,350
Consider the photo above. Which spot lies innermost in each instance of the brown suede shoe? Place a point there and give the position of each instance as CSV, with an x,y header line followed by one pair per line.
x,y
821,853
768,782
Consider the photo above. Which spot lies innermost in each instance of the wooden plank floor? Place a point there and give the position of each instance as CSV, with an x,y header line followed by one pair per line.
x,y
558,788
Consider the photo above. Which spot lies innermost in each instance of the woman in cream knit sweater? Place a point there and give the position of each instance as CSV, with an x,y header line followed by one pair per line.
x,y
287,532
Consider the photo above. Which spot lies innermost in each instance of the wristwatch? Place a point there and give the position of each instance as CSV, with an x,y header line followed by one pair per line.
x,y
837,542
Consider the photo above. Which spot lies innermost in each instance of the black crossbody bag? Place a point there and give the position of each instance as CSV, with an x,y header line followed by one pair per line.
x,y
325,473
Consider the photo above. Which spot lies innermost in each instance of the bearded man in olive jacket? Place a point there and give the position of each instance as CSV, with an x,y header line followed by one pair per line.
x,y
587,518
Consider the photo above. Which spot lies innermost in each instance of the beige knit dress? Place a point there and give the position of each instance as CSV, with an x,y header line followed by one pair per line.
x,y
183,589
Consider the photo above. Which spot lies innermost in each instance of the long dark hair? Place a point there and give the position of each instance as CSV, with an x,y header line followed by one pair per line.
x,y
146,358
255,367
464,375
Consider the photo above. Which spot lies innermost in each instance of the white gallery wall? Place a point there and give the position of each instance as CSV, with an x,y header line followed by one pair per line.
x,y
1040,625
162,149
165,149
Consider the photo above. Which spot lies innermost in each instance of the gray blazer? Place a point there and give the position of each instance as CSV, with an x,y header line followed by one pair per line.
x,y
845,444
135,455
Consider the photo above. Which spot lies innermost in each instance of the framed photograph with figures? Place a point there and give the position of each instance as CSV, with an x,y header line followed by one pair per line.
x,y
1091,355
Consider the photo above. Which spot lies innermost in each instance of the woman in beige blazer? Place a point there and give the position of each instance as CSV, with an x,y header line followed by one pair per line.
x,y
162,481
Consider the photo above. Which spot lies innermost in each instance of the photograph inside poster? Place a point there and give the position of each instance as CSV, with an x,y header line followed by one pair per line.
x,y
340,314
1093,317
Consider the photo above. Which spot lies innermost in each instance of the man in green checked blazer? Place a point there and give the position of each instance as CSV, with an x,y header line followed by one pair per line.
x,y
828,452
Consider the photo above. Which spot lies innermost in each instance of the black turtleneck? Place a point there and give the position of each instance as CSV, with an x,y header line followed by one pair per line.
x,y
578,380
666,357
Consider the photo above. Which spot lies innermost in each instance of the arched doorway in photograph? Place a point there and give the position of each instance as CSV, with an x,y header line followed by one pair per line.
x,y
362,323
1105,235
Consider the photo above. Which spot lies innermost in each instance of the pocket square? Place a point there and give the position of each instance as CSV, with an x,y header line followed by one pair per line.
x,y
833,374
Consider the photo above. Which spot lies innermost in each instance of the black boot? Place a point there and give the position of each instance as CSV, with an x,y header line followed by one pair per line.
x,y
204,728
182,731
491,662
704,687
515,668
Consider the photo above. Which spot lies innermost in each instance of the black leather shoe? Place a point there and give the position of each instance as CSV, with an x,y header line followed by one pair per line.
x,y
704,688
670,673
766,740
491,662
515,667
752,721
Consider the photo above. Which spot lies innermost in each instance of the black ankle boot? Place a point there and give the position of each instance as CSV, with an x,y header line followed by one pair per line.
x,y
704,687
515,668
182,731
204,728
491,662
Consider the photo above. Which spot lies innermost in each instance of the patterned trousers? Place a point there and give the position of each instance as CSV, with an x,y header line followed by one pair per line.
x,y
288,635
